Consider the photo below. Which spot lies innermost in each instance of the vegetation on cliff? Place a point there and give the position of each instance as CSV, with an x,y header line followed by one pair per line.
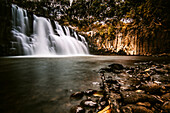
x,y
104,20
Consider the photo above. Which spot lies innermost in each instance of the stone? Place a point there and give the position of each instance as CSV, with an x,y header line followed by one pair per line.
x,y
166,97
111,81
77,95
161,71
140,91
107,69
166,106
77,109
134,97
145,104
130,71
99,94
89,103
107,109
89,92
115,96
152,88
135,109
116,66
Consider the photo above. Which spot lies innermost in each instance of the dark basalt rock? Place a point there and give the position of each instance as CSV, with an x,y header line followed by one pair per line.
x,y
110,80
116,66
89,92
89,103
166,107
145,104
135,109
134,97
115,96
77,109
103,100
166,97
77,95
152,88
106,70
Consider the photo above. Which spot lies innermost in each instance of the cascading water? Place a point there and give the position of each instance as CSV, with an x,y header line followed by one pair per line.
x,y
45,39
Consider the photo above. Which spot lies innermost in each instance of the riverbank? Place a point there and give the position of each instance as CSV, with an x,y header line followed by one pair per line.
x,y
142,88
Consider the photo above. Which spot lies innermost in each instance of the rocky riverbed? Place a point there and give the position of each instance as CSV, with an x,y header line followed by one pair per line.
x,y
142,88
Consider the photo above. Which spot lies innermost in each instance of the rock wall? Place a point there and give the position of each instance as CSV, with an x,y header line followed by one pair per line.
x,y
133,45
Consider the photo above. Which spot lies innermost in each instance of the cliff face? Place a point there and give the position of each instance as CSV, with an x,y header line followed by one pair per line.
x,y
133,44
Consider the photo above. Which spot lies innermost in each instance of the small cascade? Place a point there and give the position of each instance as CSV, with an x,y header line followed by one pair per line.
x,y
48,37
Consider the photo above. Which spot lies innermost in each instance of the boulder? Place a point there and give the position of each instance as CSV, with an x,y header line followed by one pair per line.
x,y
89,103
152,88
166,107
134,97
135,109
89,92
145,104
77,109
116,66
166,97
77,95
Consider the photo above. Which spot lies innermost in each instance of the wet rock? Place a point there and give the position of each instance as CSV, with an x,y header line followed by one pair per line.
x,y
167,67
161,71
130,71
167,87
99,93
116,66
77,109
77,95
166,107
135,109
166,97
145,104
115,88
115,96
127,88
89,103
140,91
151,87
103,102
107,109
89,92
133,97
106,69
110,80
144,76
90,111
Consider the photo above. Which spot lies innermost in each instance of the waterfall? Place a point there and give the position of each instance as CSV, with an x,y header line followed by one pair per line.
x,y
46,38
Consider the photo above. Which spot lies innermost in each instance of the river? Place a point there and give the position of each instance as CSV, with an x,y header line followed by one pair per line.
x,y
44,84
